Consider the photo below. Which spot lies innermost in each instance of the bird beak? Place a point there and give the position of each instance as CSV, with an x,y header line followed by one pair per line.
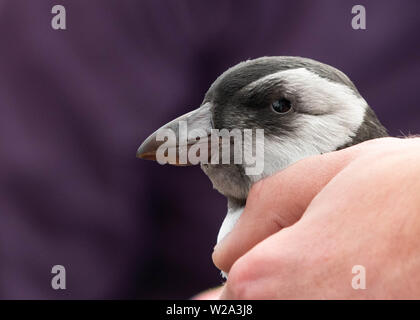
x,y
200,119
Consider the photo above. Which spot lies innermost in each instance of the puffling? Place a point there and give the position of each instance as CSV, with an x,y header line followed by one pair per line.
x,y
305,108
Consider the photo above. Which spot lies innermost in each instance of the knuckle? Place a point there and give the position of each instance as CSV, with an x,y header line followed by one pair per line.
x,y
240,281
250,274
257,190
263,190
257,195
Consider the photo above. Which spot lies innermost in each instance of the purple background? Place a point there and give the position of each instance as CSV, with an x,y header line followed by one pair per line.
x,y
76,104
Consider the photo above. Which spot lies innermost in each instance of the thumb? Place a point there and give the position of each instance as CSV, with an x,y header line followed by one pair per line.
x,y
277,202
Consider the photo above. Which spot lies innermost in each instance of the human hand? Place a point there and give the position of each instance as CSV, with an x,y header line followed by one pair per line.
x,y
305,228
209,294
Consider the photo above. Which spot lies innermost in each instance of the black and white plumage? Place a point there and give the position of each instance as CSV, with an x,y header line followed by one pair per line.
x,y
327,114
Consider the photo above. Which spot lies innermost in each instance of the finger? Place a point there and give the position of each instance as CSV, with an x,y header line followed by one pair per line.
x,y
210,294
277,202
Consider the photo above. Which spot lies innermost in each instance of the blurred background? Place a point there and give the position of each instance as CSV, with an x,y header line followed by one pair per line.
x,y
76,104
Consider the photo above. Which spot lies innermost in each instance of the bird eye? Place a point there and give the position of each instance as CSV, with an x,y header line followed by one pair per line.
x,y
281,106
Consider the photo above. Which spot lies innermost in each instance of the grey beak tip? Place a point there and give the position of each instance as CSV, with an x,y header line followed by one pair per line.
x,y
196,119
147,149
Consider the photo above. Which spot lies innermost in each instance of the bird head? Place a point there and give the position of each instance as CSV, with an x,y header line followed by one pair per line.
x,y
304,107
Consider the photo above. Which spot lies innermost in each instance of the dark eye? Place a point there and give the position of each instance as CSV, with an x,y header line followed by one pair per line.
x,y
281,106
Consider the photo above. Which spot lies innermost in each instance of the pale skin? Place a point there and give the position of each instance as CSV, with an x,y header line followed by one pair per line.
x,y
304,228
